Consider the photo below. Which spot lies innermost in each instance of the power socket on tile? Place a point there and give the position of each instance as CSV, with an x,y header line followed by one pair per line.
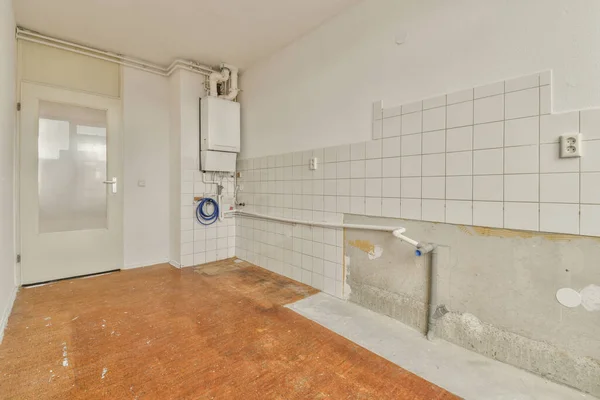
x,y
571,145
313,164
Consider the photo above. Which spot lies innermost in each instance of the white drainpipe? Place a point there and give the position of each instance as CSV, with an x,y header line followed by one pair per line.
x,y
215,78
233,87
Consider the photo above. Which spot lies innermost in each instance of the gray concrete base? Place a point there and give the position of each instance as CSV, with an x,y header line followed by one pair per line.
x,y
464,373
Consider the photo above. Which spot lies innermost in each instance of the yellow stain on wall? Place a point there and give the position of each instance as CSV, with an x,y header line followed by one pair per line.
x,y
363,245
509,234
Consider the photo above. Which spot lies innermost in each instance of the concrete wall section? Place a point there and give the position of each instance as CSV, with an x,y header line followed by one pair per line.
x,y
500,287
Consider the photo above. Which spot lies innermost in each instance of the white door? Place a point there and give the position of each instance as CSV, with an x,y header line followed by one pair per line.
x,y
71,214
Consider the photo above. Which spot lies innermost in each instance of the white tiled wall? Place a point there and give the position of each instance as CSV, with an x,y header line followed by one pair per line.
x,y
486,156
199,243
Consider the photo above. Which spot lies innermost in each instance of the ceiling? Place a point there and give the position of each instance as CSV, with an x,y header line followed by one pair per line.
x,y
238,32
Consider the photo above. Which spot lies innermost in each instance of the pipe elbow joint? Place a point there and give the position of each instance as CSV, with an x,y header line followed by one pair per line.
x,y
424,248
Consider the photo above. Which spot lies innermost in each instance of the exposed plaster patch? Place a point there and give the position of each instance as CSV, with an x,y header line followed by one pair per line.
x,y
472,322
568,297
377,252
590,297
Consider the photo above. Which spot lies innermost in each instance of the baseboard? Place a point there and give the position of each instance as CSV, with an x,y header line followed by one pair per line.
x,y
146,263
175,264
7,311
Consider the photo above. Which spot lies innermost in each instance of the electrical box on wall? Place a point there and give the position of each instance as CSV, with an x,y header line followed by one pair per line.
x,y
219,134
219,125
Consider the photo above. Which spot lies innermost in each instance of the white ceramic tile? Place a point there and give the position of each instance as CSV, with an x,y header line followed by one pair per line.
x,y
545,100
460,114
373,149
357,187
590,162
390,208
559,218
434,164
329,170
410,188
373,168
434,119
590,124
434,187
489,109
590,188
410,209
373,206
329,203
392,112
343,170
433,210
343,153
460,163
438,101
459,212
357,205
523,82
412,107
329,187
391,167
458,97
546,78
373,187
377,109
357,169
459,187
551,162
523,187
521,216
358,151
392,127
330,155
343,187
559,188
459,139
553,126
521,131
411,166
390,187
590,220
410,145
377,129
487,136
488,162
489,90
434,142
521,160
391,147
488,213
411,123
343,204
524,103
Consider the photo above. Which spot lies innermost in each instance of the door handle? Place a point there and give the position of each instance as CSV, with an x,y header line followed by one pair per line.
x,y
112,182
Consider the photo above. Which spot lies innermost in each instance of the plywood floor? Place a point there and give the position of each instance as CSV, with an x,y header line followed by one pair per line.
x,y
216,332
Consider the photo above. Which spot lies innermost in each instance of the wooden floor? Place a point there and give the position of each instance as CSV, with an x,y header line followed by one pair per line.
x,y
217,332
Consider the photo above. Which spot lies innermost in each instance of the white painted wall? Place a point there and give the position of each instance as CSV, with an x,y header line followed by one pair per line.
x,y
7,135
146,157
318,91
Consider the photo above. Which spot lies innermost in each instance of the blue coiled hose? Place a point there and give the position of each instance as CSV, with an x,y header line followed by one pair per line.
x,y
202,216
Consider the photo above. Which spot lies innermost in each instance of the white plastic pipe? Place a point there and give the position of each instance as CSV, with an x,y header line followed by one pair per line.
x,y
233,84
397,231
34,37
214,79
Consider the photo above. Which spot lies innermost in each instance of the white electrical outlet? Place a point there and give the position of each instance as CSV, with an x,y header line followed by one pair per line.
x,y
571,145
313,164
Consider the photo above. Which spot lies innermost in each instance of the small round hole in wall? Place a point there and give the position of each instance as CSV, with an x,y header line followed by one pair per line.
x,y
568,297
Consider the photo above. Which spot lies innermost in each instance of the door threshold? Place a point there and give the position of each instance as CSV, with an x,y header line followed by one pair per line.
x,y
31,285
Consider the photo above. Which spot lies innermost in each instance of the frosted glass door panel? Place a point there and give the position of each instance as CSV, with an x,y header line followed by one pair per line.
x,y
71,168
